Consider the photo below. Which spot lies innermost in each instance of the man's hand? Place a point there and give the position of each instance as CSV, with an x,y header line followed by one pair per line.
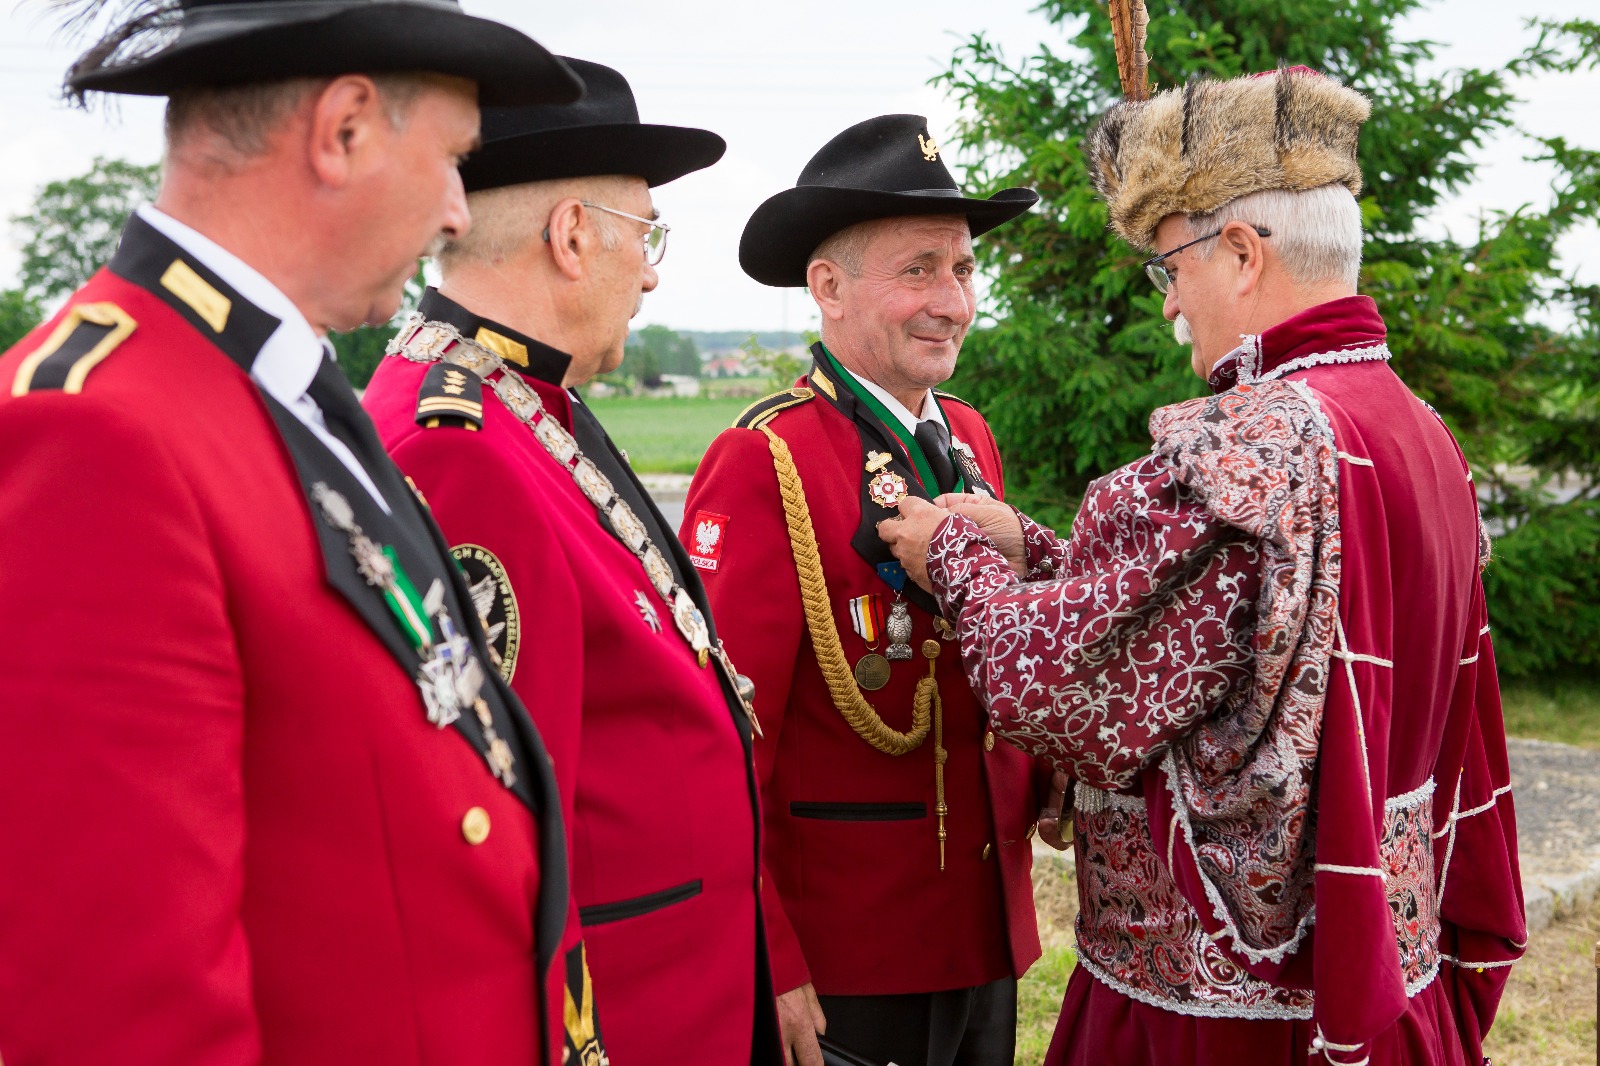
x,y
800,1018
1053,819
908,536
998,522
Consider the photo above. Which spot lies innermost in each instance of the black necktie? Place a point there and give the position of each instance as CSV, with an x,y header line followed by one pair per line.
x,y
342,414
934,440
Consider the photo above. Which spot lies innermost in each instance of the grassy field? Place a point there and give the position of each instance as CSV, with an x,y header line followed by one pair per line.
x,y
667,435
1564,710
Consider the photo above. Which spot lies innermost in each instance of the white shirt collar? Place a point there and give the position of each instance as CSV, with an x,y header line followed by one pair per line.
x,y
931,412
289,360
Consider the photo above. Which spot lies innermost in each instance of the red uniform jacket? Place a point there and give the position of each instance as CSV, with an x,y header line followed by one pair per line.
x,y
856,902
233,836
653,762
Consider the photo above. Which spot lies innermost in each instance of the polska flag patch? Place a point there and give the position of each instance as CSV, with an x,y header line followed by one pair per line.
x,y
705,546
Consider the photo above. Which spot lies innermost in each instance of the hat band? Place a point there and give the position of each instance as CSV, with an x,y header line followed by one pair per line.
x,y
952,193
211,15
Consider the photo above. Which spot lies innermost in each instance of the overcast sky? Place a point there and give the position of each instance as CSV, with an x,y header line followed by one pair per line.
x,y
776,81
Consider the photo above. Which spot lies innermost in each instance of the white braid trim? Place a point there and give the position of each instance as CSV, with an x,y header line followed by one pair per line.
x,y
1371,354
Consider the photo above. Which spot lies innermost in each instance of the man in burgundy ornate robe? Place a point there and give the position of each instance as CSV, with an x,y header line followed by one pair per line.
x,y
1263,654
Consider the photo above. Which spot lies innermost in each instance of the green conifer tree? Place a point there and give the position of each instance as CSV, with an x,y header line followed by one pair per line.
x,y
1492,330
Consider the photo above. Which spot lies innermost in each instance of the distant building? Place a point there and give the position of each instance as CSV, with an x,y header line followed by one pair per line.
x,y
677,385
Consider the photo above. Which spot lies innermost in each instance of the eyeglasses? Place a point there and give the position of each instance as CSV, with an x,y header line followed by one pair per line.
x,y
1158,274
655,238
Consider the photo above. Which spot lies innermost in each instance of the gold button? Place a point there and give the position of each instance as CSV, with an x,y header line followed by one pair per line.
x,y
988,741
988,850
475,826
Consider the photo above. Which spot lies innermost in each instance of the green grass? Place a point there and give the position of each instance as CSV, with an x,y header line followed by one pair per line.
x,y
668,435
1566,710
1039,1002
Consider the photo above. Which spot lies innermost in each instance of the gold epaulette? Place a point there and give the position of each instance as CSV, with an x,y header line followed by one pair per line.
x,y
767,408
88,334
450,396
953,398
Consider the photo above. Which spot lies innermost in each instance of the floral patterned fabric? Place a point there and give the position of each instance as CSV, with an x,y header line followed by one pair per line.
x,y
1138,934
1195,624
1266,638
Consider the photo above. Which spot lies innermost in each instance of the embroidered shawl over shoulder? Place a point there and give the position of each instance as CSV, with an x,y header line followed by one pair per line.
x,y
1192,621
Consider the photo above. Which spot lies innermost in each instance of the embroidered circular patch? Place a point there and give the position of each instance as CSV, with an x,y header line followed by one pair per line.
x,y
494,601
887,489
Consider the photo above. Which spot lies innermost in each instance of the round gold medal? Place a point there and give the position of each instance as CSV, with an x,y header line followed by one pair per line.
x,y
872,671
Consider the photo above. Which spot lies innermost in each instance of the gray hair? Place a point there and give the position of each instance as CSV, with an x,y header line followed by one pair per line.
x,y
508,219
244,117
1316,233
847,247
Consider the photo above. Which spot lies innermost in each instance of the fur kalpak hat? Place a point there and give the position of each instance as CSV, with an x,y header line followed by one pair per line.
x,y
1191,150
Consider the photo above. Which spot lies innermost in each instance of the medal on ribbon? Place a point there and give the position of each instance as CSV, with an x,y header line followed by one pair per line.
x,y
887,489
866,615
449,677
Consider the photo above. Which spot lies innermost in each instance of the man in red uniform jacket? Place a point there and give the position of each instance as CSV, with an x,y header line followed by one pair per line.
x,y
1263,653
268,802
897,890
597,616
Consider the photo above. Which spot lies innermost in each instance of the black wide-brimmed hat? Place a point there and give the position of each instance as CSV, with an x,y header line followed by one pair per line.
x,y
601,134
884,167
163,46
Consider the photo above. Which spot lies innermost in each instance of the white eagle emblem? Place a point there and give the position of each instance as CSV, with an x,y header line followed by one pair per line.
x,y
706,536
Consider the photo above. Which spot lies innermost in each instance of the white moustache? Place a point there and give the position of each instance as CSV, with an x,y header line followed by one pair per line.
x,y
1181,330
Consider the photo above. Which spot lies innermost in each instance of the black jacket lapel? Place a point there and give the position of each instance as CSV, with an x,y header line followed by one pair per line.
x,y
875,438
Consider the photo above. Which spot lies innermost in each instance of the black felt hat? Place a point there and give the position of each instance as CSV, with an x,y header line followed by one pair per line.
x,y
162,46
601,134
881,168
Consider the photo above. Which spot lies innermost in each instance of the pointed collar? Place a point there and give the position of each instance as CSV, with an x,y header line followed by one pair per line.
x,y
530,358
218,294
1348,329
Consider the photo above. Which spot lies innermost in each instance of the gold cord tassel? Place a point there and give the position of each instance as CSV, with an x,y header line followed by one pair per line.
x,y
825,635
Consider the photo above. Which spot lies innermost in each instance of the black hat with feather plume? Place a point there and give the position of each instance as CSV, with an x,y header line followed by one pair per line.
x,y
158,47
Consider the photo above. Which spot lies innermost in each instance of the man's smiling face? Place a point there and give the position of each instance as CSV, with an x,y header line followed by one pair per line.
x,y
908,309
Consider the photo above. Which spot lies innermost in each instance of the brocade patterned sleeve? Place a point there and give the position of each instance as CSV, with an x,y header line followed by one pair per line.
x,y
1044,553
1144,630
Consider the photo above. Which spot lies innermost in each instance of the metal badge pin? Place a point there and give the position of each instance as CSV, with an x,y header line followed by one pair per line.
x,y
899,630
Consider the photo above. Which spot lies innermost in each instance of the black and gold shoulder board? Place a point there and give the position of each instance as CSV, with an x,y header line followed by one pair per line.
x,y
950,397
450,396
88,334
767,408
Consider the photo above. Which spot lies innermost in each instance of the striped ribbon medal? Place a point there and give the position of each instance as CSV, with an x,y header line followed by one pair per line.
x,y
866,615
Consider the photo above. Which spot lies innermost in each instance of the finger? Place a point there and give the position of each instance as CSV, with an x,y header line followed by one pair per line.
x,y
912,506
819,1021
810,1051
1058,781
